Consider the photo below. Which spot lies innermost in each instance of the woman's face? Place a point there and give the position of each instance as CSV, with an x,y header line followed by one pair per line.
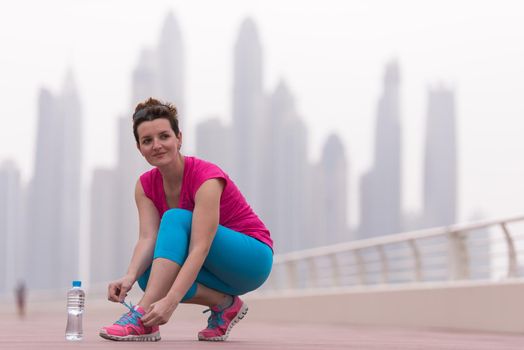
x,y
157,142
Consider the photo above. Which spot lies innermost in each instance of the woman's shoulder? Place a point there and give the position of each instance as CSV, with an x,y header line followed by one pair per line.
x,y
150,174
201,165
199,171
149,179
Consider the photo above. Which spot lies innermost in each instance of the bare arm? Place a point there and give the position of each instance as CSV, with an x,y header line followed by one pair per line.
x,y
204,226
143,253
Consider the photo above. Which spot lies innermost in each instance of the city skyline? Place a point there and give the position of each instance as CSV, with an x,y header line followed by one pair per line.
x,y
304,204
332,67
288,129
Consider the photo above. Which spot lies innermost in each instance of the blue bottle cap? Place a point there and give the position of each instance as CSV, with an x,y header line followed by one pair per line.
x,y
77,283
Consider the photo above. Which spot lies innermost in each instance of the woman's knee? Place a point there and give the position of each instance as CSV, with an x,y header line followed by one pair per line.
x,y
177,216
174,235
175,225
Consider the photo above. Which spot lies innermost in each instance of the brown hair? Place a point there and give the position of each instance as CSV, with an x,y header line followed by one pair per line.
x,y
152,109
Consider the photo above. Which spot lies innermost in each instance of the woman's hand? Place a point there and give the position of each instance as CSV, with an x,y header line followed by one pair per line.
x,y
117,290
159,312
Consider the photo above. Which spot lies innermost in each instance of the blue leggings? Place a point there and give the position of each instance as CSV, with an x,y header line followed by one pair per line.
x,y
236,263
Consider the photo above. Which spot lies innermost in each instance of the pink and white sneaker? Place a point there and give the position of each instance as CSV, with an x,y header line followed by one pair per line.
x,y
130,328
221,321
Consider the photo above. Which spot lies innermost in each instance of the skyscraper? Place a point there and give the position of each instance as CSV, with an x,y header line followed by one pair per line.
x,y
11,235
130,165
285,176
248,111
334,200
440,181
170,66
213,143
54,198
104,229
160,72
71,178
143,79
440,161
42,231
381,186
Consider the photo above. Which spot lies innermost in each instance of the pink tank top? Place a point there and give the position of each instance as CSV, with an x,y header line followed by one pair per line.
x,y
235,212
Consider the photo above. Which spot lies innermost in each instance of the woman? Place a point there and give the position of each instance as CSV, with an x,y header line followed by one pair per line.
x,y
199,240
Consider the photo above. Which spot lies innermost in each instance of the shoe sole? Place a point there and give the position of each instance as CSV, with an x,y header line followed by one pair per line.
x,y
147,337
240,315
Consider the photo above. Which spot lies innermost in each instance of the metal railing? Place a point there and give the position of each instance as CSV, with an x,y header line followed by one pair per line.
x,y
480,251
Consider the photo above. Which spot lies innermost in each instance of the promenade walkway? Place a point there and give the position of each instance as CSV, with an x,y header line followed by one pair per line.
x,y
43,328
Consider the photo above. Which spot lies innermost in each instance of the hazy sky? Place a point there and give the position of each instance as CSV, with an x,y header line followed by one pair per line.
x,y
331,54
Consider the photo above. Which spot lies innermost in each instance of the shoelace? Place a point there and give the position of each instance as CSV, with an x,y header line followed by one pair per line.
x,y
129,317
215,319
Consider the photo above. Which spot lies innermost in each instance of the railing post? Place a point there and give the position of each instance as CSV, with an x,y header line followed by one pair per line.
x,y
360,267
336,269
384,271
416,260
512,254
313,273
458,256
291,268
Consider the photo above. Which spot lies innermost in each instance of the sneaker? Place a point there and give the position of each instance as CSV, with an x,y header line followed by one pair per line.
x,y
130,328
221,321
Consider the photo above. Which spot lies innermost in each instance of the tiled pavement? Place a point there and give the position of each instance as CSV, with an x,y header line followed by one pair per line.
x,y
43,328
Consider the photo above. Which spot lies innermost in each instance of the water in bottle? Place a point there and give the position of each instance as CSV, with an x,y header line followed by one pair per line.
x,y
75,311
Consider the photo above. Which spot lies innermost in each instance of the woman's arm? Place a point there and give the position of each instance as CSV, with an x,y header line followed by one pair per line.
x,y
204,226
143,253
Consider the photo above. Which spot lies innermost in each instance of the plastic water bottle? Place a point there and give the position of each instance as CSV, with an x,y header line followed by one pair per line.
x,y
75,311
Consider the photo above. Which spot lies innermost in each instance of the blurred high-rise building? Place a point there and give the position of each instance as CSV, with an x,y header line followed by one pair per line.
x,y
104,229
143,79
71,112
283,203
440,161
334,199
380,203
440,183
54,193
214,143
171,66
160,72
11,234
249,106
130,165
43,208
